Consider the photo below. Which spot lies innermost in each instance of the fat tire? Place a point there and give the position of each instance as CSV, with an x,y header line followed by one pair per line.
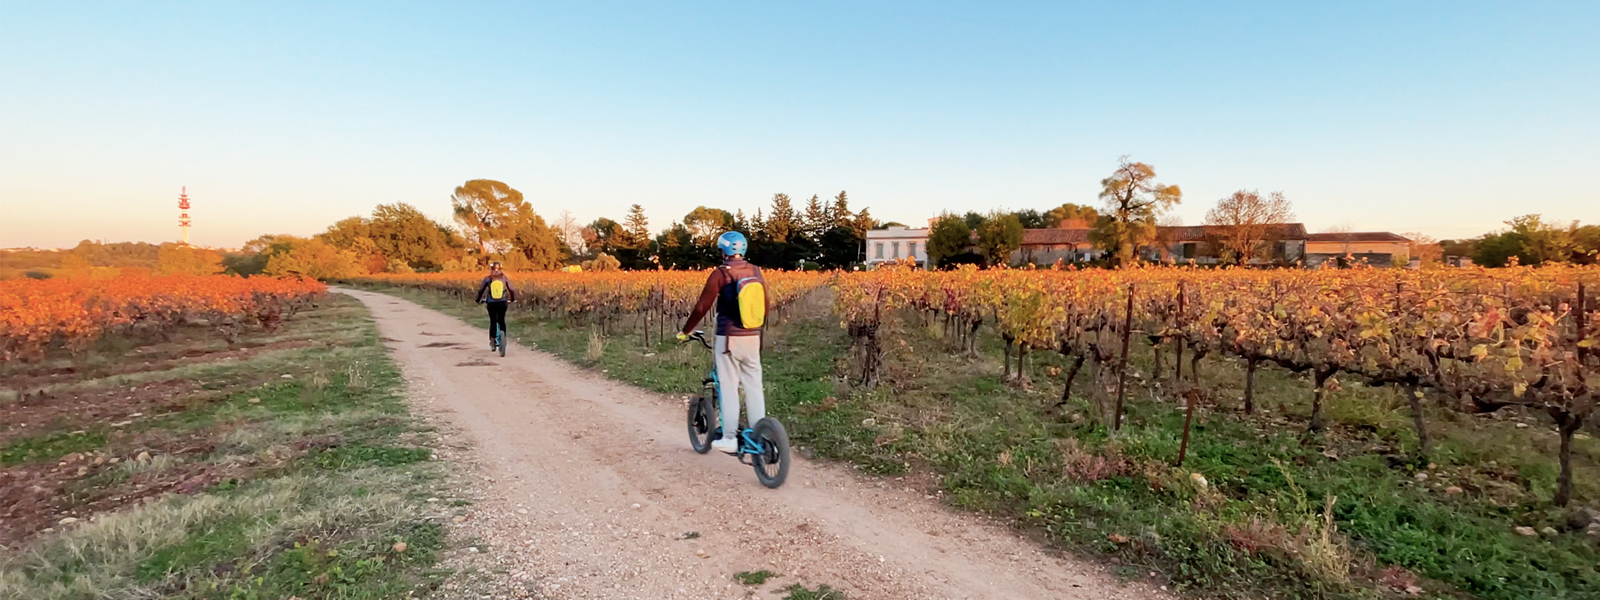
x,y
699,440
769,430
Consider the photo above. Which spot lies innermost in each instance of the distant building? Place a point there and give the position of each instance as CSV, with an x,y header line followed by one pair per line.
x,y
1376,248
897,243
1046,246
1202,244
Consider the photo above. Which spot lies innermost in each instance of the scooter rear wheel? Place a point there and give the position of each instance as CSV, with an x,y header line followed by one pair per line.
x,y
772,464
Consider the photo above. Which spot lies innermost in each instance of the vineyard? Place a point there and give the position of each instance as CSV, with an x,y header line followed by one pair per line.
x,y
1484,339
651,303
1126,349
36,316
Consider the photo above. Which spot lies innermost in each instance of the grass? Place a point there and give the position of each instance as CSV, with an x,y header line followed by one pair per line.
x,y
1259,527
308,486
800,592
754,577
49,446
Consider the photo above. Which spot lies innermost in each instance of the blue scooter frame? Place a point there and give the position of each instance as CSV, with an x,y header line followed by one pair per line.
x,y
765,447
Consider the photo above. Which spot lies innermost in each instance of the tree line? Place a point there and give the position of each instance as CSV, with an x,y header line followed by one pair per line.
x,y
492,221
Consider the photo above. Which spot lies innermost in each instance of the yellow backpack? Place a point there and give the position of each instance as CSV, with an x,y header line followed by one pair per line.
x,y
748,301
497,289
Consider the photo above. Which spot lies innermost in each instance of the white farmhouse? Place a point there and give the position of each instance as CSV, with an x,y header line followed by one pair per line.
x,y
897,243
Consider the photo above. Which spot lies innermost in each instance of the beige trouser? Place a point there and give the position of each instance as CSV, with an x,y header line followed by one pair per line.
x,y
738,360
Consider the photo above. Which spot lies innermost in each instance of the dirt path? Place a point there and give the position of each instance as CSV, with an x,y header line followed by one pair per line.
x,y
589,490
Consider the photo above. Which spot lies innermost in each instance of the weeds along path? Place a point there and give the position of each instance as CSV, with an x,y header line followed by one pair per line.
x,y
589,490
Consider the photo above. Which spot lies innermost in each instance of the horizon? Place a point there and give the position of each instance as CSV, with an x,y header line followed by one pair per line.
x,y
1446,121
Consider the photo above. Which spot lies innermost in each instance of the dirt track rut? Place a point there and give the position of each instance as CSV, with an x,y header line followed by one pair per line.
x,y
587,488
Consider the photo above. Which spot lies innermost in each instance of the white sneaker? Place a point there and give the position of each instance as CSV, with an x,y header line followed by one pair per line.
x,y
729,445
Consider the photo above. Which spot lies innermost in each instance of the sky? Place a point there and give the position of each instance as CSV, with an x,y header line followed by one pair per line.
x,y
1446,118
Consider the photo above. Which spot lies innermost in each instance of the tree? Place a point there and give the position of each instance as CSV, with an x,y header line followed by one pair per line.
x,y
706,224
252,258
313,258
1071,214
1586,244
636,229
782,223
1133,200
504,226
1424,248
535,245
862,224
1246,221
949,236
488,212
1030,218
181,259
839,212
974,220
401,232
678,249
998,237
345,232
840,247
816,220
572,234
603,235
1531,241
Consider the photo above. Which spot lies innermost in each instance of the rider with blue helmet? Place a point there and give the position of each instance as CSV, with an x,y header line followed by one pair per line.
x,y
738,291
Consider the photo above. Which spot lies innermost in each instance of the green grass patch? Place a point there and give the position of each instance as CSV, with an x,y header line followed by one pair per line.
x,y
754,577
50,447
823,592
349,457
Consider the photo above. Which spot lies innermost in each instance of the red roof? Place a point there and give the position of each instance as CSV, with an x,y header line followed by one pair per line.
x,y
1053,237
1357,236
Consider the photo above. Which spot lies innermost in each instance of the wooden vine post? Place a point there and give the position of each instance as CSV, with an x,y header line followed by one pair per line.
x,y
1122,369
1189,395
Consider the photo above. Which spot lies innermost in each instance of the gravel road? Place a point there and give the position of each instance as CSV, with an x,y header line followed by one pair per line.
x,y
582,487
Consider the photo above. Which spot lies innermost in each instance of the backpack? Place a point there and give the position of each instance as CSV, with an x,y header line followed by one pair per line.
x,y
497,289
744,301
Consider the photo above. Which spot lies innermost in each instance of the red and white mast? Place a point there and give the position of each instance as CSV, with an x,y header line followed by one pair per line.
x,y
183,218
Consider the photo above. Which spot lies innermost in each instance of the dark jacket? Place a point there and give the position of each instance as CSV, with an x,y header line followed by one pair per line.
x,y
483,289
728,274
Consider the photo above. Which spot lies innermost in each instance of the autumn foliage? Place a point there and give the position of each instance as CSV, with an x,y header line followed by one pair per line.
x,y
1477,339
36,315
606,298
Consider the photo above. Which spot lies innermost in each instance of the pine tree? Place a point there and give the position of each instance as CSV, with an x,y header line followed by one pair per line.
x,y
863,223
783,223
637,228
758,223
816,221
839,213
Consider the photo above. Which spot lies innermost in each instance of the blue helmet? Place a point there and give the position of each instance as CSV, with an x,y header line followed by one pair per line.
x,y
732,243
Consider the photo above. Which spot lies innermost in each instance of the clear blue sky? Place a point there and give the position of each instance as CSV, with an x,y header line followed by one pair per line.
x,y
1440,117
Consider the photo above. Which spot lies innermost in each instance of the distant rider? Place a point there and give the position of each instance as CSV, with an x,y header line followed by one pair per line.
x,y
740,313
496,292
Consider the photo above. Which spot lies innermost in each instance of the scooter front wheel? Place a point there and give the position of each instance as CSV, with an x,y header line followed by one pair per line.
x,y
700,424
772,463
